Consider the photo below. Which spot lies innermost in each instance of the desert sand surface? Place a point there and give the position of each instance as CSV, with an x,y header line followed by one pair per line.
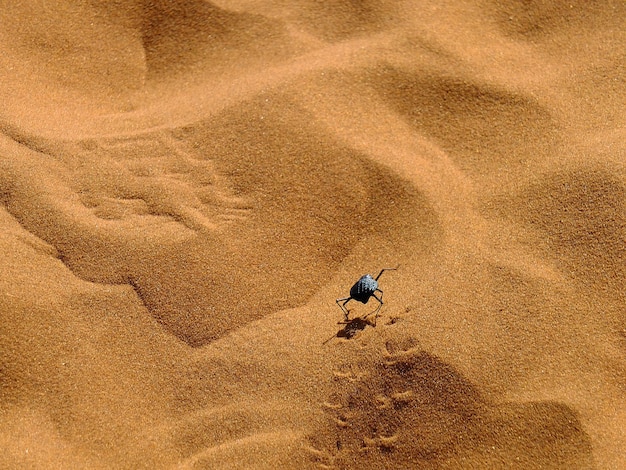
x,y
188,186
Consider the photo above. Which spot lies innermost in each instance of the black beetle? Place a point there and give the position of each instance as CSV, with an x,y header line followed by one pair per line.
x,y
362,290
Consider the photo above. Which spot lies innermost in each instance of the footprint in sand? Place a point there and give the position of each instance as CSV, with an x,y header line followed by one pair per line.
x,y
162,177
117,187
415,411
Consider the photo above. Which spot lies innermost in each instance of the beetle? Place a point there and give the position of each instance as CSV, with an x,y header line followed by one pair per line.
x,y
362,290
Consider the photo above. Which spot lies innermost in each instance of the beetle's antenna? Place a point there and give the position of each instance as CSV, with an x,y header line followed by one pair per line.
x,y
386,269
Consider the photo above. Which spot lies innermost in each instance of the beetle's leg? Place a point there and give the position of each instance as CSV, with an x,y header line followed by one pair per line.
x,y
345,300
386,269
380,304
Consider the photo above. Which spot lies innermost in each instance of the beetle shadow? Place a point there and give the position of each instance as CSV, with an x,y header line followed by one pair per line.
x,y
353,326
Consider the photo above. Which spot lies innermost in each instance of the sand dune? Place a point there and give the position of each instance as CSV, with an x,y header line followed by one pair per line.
x,y
187,187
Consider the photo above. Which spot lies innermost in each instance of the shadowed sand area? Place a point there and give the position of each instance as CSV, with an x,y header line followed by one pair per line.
x,y
187,187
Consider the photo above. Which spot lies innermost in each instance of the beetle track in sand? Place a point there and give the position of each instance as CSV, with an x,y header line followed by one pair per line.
x,y
161,164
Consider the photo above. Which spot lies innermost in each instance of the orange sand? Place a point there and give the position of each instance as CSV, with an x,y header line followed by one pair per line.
x,y
188,186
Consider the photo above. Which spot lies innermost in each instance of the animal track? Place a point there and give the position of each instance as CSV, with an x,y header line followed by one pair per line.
x,y
159,175
385,444
413,410
324,460
349,373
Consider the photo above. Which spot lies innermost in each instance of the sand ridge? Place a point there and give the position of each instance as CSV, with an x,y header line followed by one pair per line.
x,y
187,187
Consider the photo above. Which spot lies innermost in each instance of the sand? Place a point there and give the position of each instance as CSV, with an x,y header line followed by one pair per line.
x,y
187,187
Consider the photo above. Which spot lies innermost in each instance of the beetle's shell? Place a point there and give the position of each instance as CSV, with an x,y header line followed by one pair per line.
x,y
363,289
